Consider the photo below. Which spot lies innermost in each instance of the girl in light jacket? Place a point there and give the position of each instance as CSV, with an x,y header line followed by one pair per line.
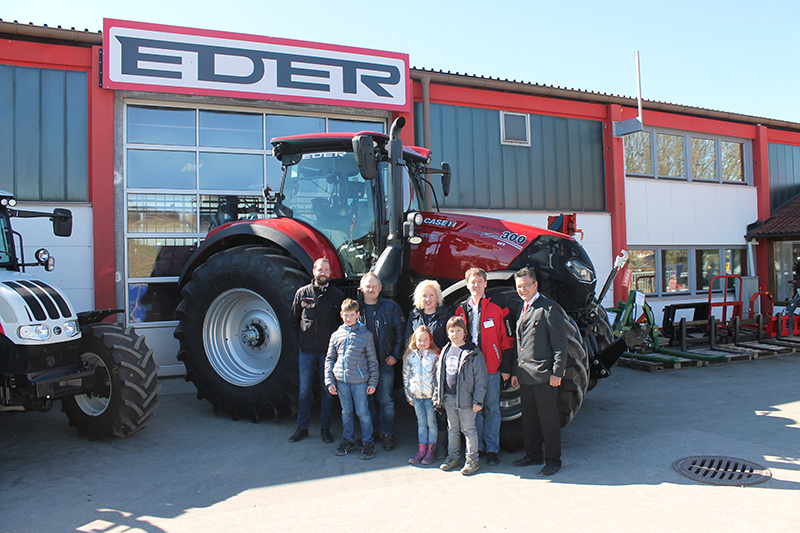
x,y
419,383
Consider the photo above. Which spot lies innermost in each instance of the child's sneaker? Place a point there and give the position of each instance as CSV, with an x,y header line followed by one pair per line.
x,y
470,467
369,450
345,447
450,463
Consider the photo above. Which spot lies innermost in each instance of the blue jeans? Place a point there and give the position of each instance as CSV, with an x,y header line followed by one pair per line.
x,y
354,397
384,396
488,419
427,427
307,363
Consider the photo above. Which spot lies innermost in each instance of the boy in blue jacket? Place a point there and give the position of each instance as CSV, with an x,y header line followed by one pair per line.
x,y
351,372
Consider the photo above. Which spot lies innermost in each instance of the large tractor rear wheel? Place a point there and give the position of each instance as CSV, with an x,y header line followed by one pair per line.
x,y
127,388
237,337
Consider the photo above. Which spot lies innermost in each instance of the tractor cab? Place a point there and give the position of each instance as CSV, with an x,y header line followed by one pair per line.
x,y
357,206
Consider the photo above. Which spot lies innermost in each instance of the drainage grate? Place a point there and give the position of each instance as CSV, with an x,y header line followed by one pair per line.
x,y
720,470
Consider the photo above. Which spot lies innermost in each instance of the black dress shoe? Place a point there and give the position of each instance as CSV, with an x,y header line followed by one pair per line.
x,y
325,433
492,459
527,461
549,470
299,434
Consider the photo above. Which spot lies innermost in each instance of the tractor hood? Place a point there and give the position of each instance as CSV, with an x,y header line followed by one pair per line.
x,y
454,243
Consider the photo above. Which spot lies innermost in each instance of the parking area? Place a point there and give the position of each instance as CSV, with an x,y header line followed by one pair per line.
x,y
191,470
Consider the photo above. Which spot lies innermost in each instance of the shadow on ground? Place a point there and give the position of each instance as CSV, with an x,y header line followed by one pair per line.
x,y
629,431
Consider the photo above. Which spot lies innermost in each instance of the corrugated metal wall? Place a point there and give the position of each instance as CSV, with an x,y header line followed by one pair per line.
x,y
44,134
784,174
562,169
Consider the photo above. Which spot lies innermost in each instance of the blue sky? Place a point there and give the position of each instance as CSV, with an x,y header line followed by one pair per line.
x,y
731,55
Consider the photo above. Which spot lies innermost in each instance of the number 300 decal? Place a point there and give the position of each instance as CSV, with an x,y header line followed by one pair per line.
x,y
513,237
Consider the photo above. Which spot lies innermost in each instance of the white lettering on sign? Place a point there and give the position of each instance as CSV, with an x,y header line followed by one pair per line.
x,y
167,59
440,222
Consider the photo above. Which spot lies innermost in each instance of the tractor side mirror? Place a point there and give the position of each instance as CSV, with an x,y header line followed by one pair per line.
x,y
62,222
366,159
446,177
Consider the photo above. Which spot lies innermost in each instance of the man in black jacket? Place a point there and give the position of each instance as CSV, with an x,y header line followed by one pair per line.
x,y
316,308
385,320
542,350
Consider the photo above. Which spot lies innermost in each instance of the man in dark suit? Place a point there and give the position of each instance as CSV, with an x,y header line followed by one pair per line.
x,y
542,349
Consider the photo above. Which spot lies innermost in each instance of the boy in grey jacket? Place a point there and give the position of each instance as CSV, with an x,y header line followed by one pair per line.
x,y
351,372
461,387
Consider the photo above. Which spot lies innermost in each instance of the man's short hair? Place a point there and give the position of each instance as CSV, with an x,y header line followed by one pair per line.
x,y
322,260
475,271
349,305
369,275
529,272
457,322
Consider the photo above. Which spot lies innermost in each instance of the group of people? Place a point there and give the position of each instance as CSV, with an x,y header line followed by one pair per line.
x,y
451,361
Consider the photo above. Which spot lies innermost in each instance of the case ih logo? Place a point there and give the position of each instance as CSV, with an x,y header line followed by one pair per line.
x,y
440,222
149,57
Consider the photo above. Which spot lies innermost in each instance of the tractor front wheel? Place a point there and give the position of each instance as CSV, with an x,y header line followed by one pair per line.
x,y
126,392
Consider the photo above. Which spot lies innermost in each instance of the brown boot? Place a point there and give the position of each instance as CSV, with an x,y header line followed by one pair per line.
x,y
430,455
420,454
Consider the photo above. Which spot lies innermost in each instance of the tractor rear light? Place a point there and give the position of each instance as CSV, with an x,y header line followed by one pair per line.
x,y
36,332
71,328
582,273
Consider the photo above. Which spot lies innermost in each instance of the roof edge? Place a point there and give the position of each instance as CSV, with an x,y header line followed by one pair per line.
x,y
54,34
480,82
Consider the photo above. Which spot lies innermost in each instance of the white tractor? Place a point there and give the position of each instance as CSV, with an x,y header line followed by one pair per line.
x,y
104,374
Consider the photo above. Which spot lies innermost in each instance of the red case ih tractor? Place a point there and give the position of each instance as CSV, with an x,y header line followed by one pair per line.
x,y
360,201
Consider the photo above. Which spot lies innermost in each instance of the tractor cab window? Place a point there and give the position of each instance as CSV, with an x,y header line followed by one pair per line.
x,y
410,193
326,191
6,244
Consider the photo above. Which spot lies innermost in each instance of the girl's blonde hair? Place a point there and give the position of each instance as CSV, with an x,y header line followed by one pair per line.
x,y
421,286
412,341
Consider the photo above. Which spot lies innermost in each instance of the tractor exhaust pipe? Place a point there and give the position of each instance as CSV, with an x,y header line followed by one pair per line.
x,y
390,263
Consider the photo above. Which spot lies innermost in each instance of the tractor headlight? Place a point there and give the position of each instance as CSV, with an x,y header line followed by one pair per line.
x,y
418,218
582,273
36,332
71,328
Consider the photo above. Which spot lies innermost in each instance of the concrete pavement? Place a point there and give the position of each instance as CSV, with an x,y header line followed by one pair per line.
x,y
193,471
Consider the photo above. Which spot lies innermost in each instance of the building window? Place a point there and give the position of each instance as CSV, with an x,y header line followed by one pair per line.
x,y
188,171
686,271
515,129
638,158
732,161
704,159
707,262
672,154
675,270
642,265
786,258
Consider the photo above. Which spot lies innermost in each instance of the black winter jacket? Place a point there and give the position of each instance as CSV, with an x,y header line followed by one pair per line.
x,y
437,323
387,328
318,313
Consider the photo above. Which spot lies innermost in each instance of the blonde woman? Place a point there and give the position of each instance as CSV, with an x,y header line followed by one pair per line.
x,y
429,310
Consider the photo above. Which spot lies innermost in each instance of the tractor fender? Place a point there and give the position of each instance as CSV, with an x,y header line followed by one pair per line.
x,y
300,240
